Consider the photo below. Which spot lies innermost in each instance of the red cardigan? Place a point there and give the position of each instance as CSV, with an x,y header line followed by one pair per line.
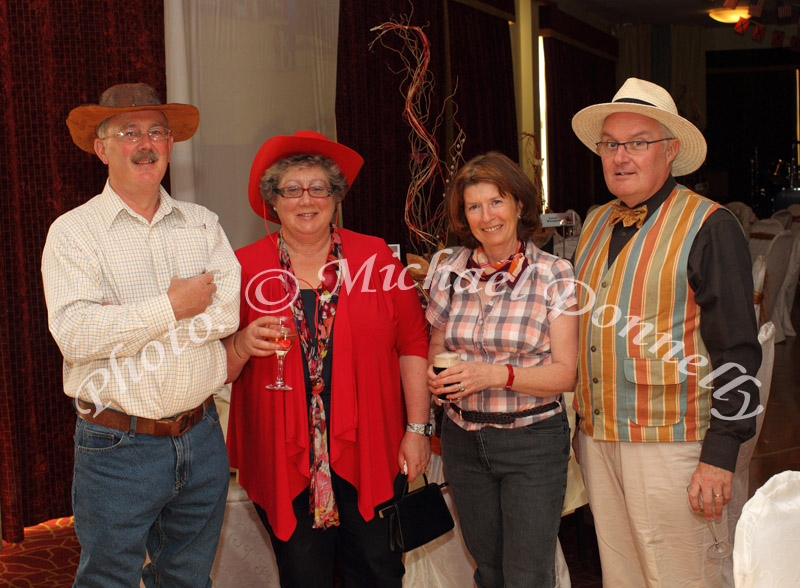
x,y
268,433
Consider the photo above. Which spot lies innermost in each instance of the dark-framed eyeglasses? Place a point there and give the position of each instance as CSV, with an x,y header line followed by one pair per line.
x,y
135,135
297,191
639,146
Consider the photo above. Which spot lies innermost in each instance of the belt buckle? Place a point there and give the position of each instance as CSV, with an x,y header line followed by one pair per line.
x,y
186,421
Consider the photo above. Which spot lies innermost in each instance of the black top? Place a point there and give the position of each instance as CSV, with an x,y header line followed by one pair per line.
x,y
720,273
309,307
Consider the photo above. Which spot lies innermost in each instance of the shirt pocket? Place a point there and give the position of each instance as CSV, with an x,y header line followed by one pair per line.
x,y
652,389
190,250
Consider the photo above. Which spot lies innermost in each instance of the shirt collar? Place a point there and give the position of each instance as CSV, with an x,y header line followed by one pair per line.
x,y
111,205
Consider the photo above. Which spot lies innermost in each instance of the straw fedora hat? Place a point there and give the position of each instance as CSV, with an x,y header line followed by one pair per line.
x,y
84,120
302,142
642,97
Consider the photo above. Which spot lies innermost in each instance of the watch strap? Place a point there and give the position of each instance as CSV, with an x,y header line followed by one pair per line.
x,y
420,428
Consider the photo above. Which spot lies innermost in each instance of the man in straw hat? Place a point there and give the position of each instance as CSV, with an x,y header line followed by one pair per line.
x,y
140,288
667,332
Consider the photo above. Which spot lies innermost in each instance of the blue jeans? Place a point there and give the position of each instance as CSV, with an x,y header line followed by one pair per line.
x,y
135,493
508,486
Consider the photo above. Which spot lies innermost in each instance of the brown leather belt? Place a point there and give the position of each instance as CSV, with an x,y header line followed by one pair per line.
x,y
172,427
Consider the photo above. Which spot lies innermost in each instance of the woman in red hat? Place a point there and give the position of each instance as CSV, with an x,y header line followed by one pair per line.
x,y
319,456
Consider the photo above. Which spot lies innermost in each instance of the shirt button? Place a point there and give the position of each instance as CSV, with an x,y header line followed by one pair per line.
x,y
623,233
595,380
596,411
593,348
604,285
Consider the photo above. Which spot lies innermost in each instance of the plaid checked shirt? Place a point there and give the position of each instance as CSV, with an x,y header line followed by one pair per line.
x,y
513,327
106,273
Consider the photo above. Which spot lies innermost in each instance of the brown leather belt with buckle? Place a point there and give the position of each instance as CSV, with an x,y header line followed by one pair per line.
x,y
172,427
501,418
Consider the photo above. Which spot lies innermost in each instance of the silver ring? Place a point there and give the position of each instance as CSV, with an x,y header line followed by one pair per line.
x,y
461,388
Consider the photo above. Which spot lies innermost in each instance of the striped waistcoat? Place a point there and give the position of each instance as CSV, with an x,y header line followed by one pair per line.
x,y
641,357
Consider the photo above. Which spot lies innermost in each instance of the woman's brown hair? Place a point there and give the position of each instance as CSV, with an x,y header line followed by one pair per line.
x,y
493,168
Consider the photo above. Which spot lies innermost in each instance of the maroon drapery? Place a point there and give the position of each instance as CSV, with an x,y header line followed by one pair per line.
x,y
369,104
54,55
575,79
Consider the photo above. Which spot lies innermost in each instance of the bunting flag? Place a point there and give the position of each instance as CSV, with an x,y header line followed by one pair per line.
x,y
784,9
777,38
730,4
756,8
759,30
741,26
794,44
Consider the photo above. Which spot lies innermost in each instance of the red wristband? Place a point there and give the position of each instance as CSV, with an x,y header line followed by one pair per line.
x,y
510,376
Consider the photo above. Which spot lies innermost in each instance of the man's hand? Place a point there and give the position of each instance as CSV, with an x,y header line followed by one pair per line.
x,y
414,454
713,486
191,296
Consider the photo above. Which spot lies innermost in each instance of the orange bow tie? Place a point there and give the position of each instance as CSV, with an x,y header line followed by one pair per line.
x,y
628,216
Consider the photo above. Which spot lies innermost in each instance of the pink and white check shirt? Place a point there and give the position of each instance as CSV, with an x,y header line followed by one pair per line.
x,y
513,327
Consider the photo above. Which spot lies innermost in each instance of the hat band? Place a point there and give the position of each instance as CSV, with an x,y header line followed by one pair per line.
x,y
635,101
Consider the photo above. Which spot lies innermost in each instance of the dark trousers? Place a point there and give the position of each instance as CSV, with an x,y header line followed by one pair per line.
x,y
508,486
361,547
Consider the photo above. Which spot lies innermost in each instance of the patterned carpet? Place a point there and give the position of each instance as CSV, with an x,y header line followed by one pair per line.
x,y
49,555
46,559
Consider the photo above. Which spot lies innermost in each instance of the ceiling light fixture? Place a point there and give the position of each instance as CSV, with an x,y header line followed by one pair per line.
x,y
729,16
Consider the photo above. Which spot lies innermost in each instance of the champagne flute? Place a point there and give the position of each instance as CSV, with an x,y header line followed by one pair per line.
x,y
720,549
285,338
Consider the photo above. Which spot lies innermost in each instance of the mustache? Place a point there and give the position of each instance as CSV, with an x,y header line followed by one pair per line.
x,y
145,155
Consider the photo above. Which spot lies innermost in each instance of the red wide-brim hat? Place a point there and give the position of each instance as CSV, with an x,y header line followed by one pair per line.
x,y
302,142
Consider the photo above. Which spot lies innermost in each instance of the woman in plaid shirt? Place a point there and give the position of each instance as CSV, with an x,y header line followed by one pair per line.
x,y
509,310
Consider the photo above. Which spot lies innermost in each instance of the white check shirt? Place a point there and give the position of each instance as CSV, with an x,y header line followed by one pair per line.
x,y
106,273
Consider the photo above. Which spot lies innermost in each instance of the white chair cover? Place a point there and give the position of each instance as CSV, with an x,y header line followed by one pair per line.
x,y
744,213
795,210
740,489
776,251
759,269
244,556
766,552
786,297
784,217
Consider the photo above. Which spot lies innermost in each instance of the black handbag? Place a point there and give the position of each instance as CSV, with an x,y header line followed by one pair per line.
x,y
417,517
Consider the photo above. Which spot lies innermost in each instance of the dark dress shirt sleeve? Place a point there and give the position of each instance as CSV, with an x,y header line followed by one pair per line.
x,y
720,273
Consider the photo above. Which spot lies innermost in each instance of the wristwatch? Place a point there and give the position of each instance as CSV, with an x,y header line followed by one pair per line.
x,y
420,429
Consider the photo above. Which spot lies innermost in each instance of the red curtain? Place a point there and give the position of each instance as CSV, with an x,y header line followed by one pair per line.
x,y
54,55
369,104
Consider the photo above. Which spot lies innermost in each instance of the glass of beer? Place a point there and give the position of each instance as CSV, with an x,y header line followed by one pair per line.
x,y
286,336
442,361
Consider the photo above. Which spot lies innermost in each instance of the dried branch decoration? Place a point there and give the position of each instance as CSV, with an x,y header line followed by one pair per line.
x,y
424,205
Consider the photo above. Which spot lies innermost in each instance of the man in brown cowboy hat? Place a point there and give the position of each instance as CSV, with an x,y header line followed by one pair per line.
x,y
667,332
140,289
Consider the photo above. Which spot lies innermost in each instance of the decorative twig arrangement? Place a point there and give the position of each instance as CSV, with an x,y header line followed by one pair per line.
x,y
424,205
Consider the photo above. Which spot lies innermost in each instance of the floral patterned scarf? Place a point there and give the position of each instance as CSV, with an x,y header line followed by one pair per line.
x,y
322,502
512,266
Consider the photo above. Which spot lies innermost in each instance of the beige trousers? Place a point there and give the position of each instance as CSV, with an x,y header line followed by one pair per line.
x,y
647,534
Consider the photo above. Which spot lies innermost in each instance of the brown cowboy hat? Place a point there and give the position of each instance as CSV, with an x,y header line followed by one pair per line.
x,y
84,120
302,142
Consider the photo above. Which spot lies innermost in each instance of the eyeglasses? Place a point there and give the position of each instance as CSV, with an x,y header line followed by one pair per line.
x,y
610,147
297,191
135,135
